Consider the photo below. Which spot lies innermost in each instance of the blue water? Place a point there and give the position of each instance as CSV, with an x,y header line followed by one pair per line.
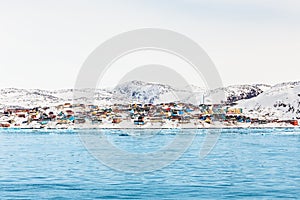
x,y
245,164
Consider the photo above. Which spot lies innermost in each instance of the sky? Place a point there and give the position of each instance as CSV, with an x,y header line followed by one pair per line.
x,y
43,44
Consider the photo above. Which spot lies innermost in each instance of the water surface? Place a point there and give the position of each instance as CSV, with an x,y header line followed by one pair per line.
x,y
245,164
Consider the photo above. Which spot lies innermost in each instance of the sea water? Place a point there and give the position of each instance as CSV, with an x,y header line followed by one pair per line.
x,y
244,164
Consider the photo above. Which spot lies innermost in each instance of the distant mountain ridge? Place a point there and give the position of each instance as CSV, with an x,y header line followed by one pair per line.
x,y
128,92
258,99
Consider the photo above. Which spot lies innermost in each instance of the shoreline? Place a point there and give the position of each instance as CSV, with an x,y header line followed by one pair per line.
x,y
149,128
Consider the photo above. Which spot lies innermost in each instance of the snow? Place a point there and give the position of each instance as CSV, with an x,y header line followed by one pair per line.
x,y
280,101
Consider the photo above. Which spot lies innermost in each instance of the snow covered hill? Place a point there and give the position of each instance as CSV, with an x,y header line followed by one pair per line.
x,y
138,91
258,100
282,101
129,92
235,93
12,97
27,98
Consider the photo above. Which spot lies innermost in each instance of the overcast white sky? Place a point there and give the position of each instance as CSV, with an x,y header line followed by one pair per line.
x,y
44,43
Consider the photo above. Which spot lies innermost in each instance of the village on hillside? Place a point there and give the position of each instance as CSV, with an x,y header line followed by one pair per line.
x,y
163,115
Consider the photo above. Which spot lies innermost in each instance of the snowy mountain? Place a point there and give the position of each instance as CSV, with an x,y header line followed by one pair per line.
x,y
138,91
129,92
235,93
27,98
155,93
282,101
12,97
258,100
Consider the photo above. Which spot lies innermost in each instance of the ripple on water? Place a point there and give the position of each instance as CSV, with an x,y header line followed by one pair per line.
x,y
245,163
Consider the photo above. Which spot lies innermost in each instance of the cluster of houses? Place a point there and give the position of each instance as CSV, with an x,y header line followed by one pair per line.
x,y
38,117
68,115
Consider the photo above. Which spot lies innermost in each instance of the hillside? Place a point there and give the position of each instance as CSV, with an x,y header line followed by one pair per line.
x,y
258,100
280,101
